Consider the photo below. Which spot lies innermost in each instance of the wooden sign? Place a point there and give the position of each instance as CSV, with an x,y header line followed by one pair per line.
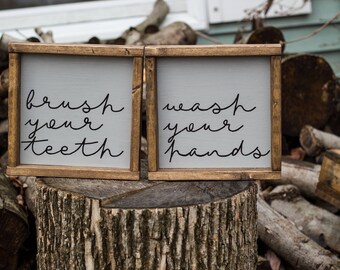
x,y
213,112
74,110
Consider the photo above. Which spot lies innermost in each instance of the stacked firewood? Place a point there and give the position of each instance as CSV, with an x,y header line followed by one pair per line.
x,y
299,225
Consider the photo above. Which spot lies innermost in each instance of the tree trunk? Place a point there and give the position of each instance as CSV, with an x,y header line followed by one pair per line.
x,y
282,236
101,224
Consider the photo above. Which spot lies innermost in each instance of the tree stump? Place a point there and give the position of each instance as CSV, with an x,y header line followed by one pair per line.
x,y
308,93
103,224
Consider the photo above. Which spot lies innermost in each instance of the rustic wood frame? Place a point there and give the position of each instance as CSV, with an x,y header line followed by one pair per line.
x,y
154,52
14,167
327,187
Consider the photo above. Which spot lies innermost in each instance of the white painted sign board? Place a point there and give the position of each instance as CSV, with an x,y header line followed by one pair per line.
x,y
217,112
203,118
77,105
75,110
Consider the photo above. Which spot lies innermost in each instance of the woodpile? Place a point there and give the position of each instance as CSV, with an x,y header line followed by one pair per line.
x,y
298,216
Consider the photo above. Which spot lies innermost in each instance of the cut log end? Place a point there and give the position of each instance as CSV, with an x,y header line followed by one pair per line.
x,y
309,142
266,35
315,141
308,91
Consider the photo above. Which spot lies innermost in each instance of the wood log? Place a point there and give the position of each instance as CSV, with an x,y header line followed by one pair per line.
x,y
304,175
319,224
4,126
328,187
282,236
3,60
155,18
47,36
30,193
315,141
5,40
13,225
266,35
177,33
308,92
333,124
4,83
3,162
3,136
3,109
101,224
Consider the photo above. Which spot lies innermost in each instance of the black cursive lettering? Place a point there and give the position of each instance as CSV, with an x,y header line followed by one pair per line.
x,y
64,150
52,125
191,128
256,153
215,107
85,107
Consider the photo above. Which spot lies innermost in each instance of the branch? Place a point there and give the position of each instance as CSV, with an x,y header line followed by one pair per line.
x,y
209,38
316,31
47,37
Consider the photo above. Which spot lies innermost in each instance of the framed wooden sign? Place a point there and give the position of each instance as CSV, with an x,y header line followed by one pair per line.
x,y
74,110
213,112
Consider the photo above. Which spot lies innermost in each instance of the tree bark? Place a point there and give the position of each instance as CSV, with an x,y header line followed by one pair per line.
x,y
13,225
282,236
315,141
319,224
96,224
